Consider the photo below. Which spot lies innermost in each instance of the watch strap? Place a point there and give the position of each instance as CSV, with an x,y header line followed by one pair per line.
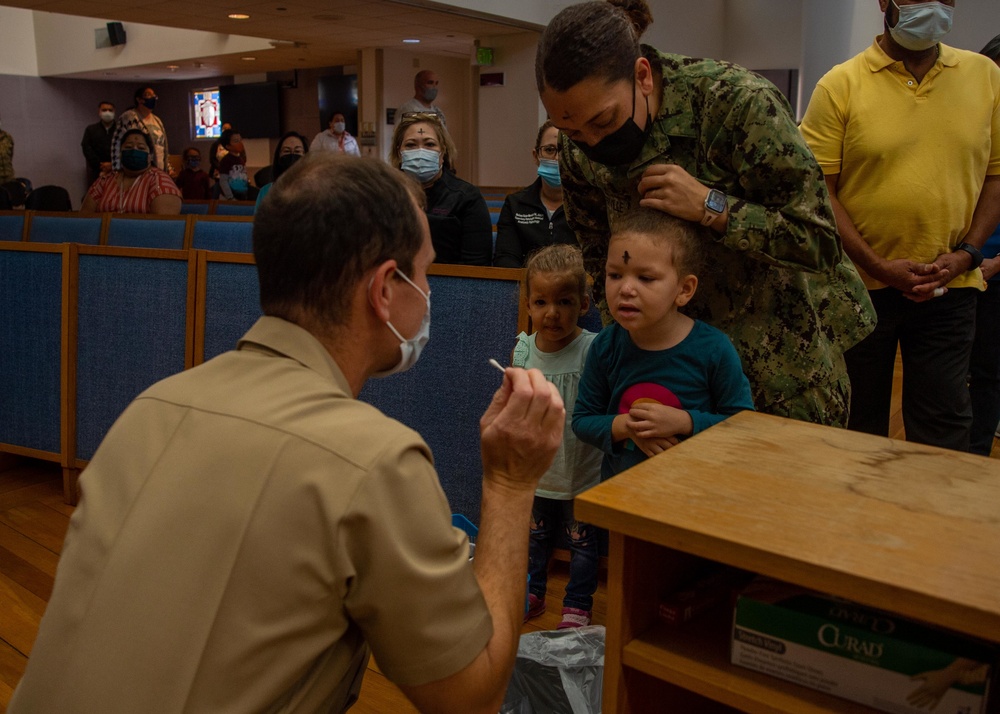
x,y
974,253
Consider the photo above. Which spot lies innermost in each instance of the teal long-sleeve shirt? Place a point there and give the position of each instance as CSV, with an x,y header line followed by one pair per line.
x,y
702,375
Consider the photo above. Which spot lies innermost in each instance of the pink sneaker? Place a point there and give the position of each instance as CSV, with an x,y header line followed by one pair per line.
x,y
536,606
574,617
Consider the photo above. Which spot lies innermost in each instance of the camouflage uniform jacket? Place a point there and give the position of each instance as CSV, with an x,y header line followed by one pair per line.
x,y
778,282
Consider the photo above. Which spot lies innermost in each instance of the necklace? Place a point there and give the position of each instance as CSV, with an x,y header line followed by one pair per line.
x,y
124,195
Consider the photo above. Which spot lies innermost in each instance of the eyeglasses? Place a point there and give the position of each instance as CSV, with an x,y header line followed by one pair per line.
x,y
422,116
548,151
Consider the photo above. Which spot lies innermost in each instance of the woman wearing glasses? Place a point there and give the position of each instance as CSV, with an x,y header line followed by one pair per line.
x,y
534,217
459,219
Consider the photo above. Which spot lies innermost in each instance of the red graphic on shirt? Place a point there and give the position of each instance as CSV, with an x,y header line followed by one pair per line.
x,y
647,392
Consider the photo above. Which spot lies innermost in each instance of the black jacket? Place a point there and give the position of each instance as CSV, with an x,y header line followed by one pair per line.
x,y
460,222
524,227
97,147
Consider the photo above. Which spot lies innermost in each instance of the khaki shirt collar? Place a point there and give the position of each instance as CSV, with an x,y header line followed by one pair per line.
x,y
286,339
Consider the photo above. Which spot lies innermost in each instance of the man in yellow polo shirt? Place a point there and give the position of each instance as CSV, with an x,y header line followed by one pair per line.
x,y
908,136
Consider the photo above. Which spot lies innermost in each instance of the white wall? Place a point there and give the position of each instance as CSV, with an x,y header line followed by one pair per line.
x,y
454,97
65,44
17,40
764,34
509,116
696,29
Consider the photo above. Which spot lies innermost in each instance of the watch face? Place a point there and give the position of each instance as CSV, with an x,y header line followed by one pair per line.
x,y
716,201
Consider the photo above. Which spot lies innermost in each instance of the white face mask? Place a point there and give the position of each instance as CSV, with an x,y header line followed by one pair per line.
x,y
338,127
410,349
107,117
921,26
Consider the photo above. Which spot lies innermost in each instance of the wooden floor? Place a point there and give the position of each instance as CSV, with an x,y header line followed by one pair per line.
x,y
33,523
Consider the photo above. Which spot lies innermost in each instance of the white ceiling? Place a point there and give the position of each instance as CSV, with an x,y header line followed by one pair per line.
x,y
306,33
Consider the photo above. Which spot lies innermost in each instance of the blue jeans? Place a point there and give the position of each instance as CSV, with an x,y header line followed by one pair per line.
x,y
935,341
550,519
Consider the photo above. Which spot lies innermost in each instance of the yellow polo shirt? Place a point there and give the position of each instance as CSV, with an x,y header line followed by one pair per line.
x,y
911,156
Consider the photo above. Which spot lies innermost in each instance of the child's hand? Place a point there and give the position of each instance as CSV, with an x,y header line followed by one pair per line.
x,y
655,445
650,420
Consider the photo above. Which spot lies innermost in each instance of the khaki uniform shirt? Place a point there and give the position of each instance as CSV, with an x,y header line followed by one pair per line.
x,y
245,528
778,282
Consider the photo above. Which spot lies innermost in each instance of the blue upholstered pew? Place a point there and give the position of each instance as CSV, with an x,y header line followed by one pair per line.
x,y
476,314
65,228
232,234
12,225
196,208
144,231
228,302
234,208
133,320
31,349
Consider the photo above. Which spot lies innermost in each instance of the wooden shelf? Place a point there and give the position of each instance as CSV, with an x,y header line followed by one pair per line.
x,y
695,657
903,527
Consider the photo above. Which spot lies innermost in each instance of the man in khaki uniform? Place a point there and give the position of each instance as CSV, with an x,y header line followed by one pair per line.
x,y
248,528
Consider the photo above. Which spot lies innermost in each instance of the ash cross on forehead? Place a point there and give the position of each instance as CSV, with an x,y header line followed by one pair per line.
x,y
420,131
626,257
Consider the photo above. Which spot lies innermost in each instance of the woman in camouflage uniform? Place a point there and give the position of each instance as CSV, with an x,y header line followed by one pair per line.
x,y
709,142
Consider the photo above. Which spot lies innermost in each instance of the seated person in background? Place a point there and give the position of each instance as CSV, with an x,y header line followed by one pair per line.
x,y
233,181
17,191
248,530
291,147
195,184
336,138
654,376
138,187
457,213
216,152
534,217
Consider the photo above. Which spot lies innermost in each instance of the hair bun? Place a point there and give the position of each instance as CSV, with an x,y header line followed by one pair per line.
x,y
638,13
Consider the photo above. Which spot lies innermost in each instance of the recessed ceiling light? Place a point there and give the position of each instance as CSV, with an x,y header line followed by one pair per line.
x,y
238,16
172,67
411,41
248,59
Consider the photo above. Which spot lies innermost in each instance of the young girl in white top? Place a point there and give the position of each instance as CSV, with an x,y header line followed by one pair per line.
x,y
557,298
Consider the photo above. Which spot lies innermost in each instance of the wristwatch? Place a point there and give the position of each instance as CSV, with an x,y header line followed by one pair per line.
x,y
715,204
977,257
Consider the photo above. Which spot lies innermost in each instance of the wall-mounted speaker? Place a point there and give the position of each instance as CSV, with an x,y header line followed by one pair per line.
x,y
116,33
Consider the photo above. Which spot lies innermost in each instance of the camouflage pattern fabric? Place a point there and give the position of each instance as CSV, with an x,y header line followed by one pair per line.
x,y
778,282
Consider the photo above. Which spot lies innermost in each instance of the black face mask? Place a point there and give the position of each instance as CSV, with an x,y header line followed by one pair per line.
x,y
284,162
622,145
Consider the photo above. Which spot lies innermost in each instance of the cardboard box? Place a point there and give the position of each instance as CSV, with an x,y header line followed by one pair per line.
x,y
859,653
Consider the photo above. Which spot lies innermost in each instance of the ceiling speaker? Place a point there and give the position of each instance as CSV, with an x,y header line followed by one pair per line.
x,y
116,33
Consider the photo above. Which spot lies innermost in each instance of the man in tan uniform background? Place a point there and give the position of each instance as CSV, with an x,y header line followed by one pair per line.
x,y
248,528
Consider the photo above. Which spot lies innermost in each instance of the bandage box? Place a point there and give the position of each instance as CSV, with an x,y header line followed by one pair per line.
x,y
859,653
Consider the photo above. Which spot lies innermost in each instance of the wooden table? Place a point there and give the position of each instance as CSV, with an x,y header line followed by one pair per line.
x,y
904,527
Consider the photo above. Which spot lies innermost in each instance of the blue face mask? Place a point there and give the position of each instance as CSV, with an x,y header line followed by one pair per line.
x,y
548,169
430,94
921,26
421,164
135,159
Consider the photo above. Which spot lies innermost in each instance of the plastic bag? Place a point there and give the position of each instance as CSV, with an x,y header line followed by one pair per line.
x,y
557,672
